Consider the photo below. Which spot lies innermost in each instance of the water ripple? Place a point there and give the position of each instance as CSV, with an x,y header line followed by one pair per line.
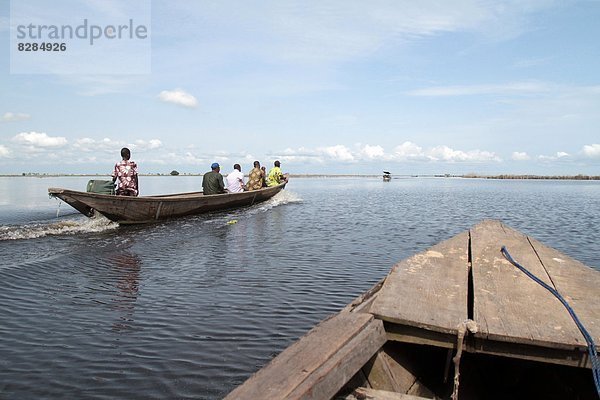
x,y
190,308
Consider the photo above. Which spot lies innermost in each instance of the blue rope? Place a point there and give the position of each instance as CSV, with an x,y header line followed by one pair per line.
x,y
588,338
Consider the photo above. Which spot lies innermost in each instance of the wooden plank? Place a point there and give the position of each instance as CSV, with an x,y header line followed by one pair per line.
x,y
358,380
363,302
378,374
372,394
408,365
572,357
402,367
410,334
508,305
577,283
316,352
429,289
329,378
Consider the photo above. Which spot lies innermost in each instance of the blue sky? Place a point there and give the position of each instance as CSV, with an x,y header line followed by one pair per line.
x,y
413,87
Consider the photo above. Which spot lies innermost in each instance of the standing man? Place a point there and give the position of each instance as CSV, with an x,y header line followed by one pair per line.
x,y
126,172
212,182
256,178
235,180
275,175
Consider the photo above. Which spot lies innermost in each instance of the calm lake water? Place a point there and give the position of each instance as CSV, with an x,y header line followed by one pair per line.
x,y
190,308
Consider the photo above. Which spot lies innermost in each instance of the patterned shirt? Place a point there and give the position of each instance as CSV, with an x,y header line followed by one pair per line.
x,y
255,179
126,172
275,177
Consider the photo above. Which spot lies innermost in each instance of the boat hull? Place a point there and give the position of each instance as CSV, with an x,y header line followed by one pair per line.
x,y
148,209
458,309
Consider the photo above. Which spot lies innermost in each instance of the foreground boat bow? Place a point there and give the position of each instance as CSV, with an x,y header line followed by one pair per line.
x,y
455,321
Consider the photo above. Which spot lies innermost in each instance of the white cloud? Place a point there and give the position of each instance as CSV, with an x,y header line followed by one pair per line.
x,y
110,146
105,145
373,151
337,31
147,145
4,151
558,155
190,158
13,117
591,150
85,141
445,153
179,97
300,155
336,153
514,88
407,151
520,156
40,139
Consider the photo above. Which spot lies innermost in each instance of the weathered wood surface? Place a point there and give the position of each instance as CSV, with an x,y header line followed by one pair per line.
x,y
411,334
428,292
320,363
508,305
550,355
394,370
372,394
577,283
424,299
429,289
379,375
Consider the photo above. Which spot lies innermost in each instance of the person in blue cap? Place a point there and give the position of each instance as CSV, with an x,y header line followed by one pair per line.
x,y
212,182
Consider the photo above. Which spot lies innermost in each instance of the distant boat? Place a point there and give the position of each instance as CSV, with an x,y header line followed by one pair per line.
x,y
147,209
387,176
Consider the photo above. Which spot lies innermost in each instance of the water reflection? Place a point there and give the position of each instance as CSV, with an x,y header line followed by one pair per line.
x,y
216,248
127,267
237,243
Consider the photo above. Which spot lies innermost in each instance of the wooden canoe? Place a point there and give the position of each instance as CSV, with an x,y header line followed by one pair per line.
x,y
147,209
403,338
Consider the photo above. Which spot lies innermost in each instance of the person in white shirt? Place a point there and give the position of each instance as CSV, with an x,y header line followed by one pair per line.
x,y
235,180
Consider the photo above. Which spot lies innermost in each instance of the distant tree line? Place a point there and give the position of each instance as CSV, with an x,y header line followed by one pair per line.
x,y
579,177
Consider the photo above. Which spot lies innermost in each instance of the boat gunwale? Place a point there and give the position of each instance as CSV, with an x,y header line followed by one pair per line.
x,y
56,192
193,203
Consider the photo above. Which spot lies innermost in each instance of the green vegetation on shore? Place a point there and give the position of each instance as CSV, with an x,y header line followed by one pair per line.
x,y
579,177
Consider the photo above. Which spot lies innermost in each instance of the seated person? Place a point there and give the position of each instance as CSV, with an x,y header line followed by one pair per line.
x,y
256,178
212,182
235,180
276,177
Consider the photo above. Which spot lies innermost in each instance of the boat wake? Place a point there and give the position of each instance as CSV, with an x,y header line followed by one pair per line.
x,y
72,226
232,217
283,197
64,227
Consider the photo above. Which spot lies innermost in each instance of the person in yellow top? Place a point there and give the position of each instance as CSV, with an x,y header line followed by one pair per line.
x,y
276,176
